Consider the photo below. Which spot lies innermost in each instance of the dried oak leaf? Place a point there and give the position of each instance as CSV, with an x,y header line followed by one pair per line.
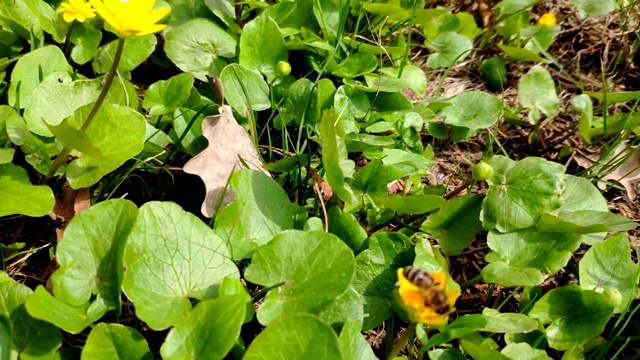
x,y
626,174
228,144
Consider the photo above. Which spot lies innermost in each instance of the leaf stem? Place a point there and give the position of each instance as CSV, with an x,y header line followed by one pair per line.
x,y
62,156
411,329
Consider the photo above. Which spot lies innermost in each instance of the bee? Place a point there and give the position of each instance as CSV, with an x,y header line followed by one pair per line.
x,y
434,297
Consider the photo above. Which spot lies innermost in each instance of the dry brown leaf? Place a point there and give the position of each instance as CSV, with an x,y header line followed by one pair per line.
x,y
69,203
228,143
627,174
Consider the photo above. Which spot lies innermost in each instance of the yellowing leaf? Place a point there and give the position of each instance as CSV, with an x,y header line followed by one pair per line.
x,y
230,149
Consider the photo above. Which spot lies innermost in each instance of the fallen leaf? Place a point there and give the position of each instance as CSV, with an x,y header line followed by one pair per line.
x,y
627,174
229,149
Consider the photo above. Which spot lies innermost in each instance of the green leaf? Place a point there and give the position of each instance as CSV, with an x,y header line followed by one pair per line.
x,y
527,249
199,55
6,155
86,40
72,319
473,110
353,344
446,354
584,222
260,210
69,136
31,337
299,336
611,97
257,35
537,92
412,204
449,48
376,276
515,53
608,266
346,308
520,192
115,341
35,150
499,272
388,80
583,105
299,100
594,8
6,338
346,227
136,50
509,7
56,98
19,196
167,95
117,131
245,88
332,157
456,223
209,331
350,102
31,69
524,351
489,321
236,287
574,315
90,255
314,268
170,257
355,65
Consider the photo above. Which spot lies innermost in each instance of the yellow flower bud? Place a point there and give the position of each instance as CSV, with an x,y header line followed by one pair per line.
x,y
547,21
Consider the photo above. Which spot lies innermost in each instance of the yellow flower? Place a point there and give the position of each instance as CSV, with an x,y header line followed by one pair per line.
x,y
76,10
547,21
416,301
131,17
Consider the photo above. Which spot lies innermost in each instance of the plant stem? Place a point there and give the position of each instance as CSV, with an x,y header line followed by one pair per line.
x,y
411,329
67,40
459,189
62,156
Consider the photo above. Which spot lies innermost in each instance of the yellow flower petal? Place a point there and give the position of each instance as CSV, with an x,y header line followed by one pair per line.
x,y
547,21
131,17
76,10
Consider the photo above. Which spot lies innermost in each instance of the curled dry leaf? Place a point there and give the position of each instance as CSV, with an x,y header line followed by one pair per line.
x,y
627,174
230,148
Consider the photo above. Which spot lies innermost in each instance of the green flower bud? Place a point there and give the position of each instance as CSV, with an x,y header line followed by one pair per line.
x,y
613,296
283,68
482,171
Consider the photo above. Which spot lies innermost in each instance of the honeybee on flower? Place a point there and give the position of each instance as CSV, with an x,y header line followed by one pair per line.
x,y
424,296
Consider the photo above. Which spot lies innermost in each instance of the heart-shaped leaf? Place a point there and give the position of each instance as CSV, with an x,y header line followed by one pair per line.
x,y
115,341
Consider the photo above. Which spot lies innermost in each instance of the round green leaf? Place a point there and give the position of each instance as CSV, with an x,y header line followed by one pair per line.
x,y
86,40
449,48
196,45
473,110
314,268
301,336
412,77
167,95
72,319
260,34
170,257
117,131
376,275
208,332
499,272
353,344
490,321
524,351
90,255
31,337
346,227
36,150
19,196
594,8
56,98
31,69
456,223
115,341
355,65
245,88
260,210
520,192
608,266
537,92
574,315
136,50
